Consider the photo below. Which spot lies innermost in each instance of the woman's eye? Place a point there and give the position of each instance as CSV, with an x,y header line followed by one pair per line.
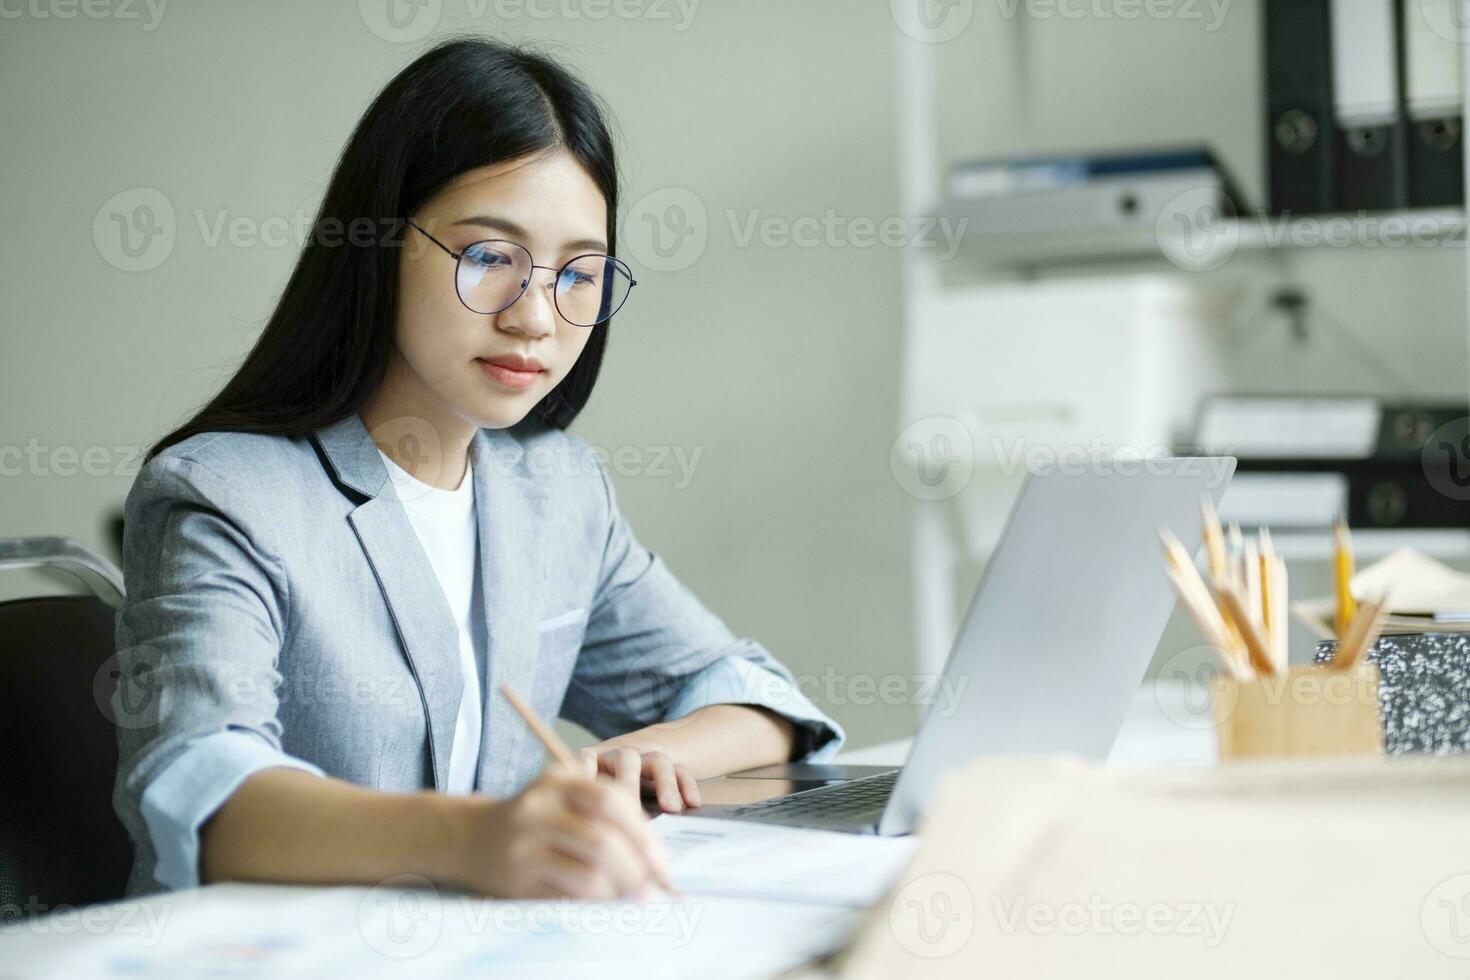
x,y
487,257
574,277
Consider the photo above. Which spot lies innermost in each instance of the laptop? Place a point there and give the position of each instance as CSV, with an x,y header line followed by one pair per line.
x,y
1052,650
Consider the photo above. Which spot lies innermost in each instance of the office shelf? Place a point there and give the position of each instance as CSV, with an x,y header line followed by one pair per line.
x,y
1370,544
1258,248
1445,227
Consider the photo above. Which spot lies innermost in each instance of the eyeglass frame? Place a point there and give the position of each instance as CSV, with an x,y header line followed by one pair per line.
x,y
527,284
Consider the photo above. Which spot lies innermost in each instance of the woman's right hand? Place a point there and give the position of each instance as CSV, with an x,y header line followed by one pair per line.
x,y
564,835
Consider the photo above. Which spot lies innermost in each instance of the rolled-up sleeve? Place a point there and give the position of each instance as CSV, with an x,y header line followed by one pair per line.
x,y
652,652
198,642
197,783
744,679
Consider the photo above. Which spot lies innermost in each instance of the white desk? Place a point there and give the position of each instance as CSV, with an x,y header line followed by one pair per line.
x,y
247,930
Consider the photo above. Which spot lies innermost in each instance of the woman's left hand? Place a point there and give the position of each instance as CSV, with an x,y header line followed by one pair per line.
x,y
643,772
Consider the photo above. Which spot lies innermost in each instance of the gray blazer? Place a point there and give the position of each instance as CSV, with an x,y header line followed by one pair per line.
x,y
278,597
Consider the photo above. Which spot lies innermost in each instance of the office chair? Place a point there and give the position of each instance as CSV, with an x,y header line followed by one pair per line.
x,y
60,842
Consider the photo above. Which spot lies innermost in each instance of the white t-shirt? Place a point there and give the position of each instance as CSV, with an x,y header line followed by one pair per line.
x,y
444,521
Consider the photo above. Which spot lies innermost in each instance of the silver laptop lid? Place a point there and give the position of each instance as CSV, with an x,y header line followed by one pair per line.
x,y
1064,622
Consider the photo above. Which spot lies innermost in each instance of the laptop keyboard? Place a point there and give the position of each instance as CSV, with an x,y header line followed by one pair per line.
x,y
849,799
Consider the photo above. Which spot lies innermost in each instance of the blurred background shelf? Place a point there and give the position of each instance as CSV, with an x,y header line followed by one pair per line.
x,y
1372,544
1140,316
1259,234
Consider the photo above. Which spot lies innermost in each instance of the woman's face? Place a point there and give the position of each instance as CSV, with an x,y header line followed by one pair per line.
x,y
491,370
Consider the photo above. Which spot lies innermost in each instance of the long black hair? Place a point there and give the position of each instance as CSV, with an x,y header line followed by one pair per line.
x,y
465,103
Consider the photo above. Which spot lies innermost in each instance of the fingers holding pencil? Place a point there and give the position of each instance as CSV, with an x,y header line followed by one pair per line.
x,y
602,807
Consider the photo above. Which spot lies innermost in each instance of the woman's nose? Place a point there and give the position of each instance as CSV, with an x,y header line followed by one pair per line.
x,y
534,311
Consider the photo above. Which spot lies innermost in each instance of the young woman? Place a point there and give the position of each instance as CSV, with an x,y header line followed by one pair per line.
x,y
335,565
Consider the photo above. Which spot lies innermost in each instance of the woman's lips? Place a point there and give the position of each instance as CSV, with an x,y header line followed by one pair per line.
x,y
508,376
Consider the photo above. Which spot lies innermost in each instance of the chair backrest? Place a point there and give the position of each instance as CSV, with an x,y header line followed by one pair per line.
x,y
59,836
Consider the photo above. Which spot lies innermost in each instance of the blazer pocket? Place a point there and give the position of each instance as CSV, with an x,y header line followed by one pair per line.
x,y
559,643
561,621
559,638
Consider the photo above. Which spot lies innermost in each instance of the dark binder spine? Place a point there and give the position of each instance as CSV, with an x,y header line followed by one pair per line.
x,y
1434,145
1300,130
1436,162
1371,171
1372,167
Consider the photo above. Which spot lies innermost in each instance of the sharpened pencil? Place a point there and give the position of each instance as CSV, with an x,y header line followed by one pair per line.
x,y
1260,658
1343,569
1214,537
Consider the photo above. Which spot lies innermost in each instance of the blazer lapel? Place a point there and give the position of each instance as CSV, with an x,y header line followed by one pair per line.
x,y
415,601
511,505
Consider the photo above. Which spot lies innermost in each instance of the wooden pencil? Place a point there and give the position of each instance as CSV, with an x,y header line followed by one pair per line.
x,y
1260,659
1343,566
1214,537
1363,633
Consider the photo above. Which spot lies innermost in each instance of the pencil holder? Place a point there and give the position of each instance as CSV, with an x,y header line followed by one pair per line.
x,y
1424,694
1308,710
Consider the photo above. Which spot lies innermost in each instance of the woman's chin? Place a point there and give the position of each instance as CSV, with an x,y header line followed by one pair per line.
x,y
501,412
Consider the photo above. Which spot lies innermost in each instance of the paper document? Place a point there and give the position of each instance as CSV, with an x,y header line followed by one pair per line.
x,y
757,900
1424,595
245,932
788,864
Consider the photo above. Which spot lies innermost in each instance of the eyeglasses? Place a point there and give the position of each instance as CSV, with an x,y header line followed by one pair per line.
x,y
490,276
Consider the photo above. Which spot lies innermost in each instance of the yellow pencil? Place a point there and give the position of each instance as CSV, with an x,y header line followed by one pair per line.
x,y
1343,568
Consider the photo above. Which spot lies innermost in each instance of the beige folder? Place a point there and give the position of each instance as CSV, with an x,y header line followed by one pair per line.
x,y
1321,868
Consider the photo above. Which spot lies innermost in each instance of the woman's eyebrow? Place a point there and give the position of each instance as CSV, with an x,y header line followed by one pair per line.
x,y
516,231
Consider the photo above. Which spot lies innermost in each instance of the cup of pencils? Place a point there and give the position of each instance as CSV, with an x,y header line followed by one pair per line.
x,y
1262,705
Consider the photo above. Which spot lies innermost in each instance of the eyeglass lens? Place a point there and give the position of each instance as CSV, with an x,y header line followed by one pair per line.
x,y
493,274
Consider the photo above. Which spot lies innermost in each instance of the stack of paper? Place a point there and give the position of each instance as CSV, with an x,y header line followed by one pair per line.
x,y
1424,596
